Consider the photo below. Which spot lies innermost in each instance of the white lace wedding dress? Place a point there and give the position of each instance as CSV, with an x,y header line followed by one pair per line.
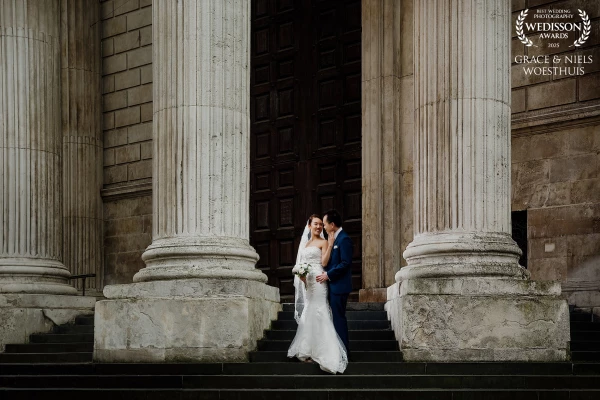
x,y
316,337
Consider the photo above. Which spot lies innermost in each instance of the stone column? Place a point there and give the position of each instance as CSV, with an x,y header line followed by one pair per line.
x,y
200,298
34,286
82,141
463,295
387,139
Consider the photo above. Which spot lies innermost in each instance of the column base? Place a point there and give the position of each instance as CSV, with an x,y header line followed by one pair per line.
x,y
23,314
192,320
479,319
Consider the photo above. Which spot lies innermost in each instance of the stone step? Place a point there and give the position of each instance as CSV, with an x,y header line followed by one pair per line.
x,y
298,368
298,394
352,306
74,329
352,325
585,346
61,338
585,326
345,381
355,345
350,315
84,320
588,336
581,317
353,335
357,356
50,348
45,357
585,356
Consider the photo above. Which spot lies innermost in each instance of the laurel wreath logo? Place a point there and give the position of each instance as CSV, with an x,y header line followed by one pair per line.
x,y
524,39
586,29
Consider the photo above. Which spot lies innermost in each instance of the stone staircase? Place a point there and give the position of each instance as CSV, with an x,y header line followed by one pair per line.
x,y
60,364
585,336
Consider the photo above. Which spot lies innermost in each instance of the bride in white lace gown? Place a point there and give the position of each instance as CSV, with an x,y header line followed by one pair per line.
x,y
316,338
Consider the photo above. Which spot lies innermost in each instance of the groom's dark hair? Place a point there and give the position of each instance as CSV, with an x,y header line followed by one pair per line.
x,y
334,216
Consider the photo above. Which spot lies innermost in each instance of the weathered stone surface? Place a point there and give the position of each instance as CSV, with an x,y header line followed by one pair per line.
x,y
141,56
23,314
589,87
183,321
127,116
479,319
127,153
551,94
127,79
139,170
382,188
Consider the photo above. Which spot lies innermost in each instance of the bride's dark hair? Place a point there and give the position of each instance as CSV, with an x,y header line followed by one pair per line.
x,y
313,217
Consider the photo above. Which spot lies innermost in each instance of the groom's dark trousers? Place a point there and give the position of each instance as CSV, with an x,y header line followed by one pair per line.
x,y
339,271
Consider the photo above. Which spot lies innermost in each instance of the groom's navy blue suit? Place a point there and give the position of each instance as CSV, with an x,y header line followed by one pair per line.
x,y
339,271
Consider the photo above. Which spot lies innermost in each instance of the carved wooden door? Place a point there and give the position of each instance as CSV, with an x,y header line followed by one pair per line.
x,y
305,127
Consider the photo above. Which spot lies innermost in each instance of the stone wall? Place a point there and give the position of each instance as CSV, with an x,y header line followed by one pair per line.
x,y
556,162
555,150
127,112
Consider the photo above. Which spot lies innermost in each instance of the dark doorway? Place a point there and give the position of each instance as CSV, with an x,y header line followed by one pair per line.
x,y
519,233
305,127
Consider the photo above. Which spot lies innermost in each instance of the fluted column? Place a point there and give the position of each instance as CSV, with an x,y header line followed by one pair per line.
x,y
463,295
200,297
201,142
383,90
30,141
462,142
82,140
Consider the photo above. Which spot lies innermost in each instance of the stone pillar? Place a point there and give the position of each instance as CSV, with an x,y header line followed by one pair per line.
x,y
387,139
34,286
82,141
200,298
463,295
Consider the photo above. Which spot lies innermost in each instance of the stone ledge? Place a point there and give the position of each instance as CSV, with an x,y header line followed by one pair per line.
x,y
476,287
192,289
22,300
126,191
498,355
554,118
24,314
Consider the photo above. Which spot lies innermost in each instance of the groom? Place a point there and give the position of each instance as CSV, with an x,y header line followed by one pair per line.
x,y
338,272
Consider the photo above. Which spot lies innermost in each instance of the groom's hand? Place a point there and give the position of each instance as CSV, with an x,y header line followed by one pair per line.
x,y
330,240
322,278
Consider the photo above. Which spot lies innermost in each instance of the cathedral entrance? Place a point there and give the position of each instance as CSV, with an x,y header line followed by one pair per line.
x,y
305,127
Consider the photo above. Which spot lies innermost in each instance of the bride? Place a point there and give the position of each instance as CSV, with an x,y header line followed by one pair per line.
x,y
316,339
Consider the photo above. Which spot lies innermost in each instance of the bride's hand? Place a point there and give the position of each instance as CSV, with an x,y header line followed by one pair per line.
x,y
303,279
330,240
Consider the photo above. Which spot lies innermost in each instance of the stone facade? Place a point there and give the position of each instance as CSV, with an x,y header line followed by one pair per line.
x,y
537,142
556,164
554,160
127,115
82,142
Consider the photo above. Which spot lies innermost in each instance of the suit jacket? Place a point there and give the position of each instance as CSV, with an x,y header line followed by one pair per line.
x,y
339,267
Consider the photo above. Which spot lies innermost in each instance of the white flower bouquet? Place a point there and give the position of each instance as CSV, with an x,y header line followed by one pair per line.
x,y
301,269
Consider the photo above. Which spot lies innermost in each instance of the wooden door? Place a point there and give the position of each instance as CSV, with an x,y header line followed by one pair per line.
x,y
305,127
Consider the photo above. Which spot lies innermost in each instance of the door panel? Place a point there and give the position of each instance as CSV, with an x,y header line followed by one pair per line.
x,y
305,127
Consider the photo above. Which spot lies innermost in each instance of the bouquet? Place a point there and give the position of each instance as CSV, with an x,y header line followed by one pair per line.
x,y
301,270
